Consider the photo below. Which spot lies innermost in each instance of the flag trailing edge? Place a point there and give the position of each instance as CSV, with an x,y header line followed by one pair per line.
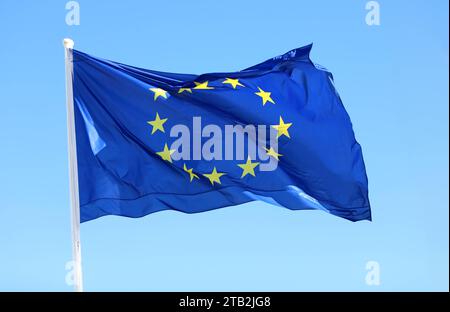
x,y
149,141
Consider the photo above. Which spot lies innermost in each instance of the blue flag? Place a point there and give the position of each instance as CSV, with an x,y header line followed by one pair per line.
x,y
276,132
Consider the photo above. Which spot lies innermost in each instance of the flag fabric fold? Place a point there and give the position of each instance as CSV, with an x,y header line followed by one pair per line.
x,y
275,132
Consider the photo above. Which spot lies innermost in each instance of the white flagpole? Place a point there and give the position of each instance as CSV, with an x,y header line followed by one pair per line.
x,y
73,168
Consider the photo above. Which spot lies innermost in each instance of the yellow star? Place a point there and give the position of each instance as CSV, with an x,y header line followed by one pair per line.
x,y
282,128
202,86
159,92
273,153
165,153
181,90
248,167
192,175
265,96
214,176
157,124
233,82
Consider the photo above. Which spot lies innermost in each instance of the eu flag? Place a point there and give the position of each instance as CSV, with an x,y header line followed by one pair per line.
x,y
276,132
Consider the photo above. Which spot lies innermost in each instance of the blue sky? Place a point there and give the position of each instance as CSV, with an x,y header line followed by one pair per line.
x,y
393,79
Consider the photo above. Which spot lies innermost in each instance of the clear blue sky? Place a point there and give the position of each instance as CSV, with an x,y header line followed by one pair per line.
x,y
393,79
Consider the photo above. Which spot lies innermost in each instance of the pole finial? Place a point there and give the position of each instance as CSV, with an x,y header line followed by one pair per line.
x,y
68,43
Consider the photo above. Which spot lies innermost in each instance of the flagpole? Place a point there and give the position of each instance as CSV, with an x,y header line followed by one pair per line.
x,y
73,168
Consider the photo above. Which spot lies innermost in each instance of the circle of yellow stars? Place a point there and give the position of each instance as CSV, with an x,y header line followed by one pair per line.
x,y
248,168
